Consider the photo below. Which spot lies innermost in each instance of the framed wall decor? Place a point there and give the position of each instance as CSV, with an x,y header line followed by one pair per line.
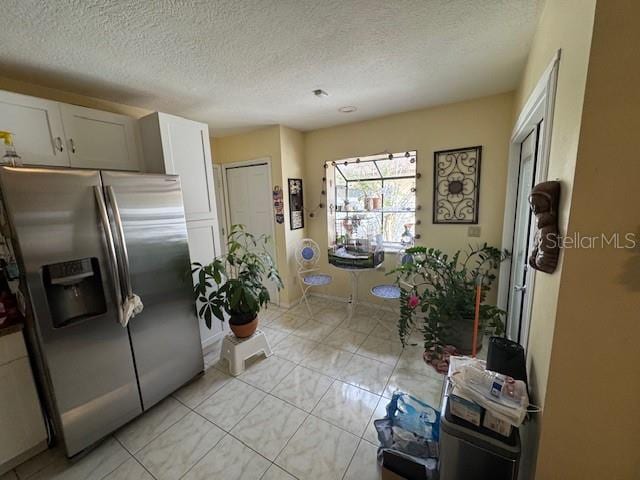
x,y
278,204
296,204
456,185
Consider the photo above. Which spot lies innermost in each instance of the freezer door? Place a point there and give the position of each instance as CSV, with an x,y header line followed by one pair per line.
x,y
165,336
85,356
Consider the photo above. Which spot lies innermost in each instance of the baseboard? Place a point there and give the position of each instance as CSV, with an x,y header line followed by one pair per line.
x,y
23,457
335,298
290,304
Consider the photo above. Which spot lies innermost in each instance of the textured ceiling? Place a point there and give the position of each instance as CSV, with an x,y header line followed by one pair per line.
x,y
239,64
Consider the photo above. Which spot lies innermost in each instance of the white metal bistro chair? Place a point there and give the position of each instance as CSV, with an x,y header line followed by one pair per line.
x,y
391,291
307,257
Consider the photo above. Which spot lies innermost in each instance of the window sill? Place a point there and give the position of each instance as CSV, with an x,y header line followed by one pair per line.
x,y
392,248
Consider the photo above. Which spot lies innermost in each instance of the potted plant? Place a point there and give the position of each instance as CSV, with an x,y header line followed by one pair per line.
x,y
438,296
232,284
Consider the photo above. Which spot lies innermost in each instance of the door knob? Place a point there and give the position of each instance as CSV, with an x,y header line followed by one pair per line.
x,y
73,145
59,146
520,288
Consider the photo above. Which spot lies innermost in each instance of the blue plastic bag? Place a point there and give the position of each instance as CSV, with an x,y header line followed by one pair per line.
x,y
411,427
414,416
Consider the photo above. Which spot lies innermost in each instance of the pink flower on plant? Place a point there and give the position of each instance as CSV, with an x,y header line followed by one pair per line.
x,y
414,301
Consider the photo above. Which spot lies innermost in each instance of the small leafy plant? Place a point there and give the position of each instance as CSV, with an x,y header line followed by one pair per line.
x,y
437,290
233,283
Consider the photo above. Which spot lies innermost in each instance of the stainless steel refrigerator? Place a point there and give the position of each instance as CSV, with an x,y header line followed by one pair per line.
x,y
84,239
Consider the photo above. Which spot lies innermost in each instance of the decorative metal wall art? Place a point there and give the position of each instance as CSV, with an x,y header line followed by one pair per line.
x,y
296,204
456,185
544,200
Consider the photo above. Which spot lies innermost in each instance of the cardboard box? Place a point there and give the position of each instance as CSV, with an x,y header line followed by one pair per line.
x,y
462,407
496,424
407,466
386,474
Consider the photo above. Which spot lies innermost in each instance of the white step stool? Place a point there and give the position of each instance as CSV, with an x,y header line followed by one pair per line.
x,y
237,350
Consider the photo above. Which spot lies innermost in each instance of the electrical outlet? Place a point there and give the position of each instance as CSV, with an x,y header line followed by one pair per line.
x,y
474,231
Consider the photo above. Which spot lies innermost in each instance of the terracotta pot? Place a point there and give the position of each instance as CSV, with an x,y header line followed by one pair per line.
x,y
242,328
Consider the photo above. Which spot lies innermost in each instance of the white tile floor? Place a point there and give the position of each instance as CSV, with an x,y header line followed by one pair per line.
x,y
305,413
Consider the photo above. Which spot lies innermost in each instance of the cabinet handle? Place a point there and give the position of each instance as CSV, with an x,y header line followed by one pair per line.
x,y
73,145
59,146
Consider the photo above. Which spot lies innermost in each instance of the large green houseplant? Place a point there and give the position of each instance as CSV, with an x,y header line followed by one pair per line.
x,y
438,294
233,283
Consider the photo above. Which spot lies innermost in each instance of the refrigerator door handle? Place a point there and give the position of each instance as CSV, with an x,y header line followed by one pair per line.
x,y
111,249
111,195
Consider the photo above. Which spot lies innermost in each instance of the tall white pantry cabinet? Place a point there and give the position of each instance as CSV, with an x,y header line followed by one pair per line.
x,y
178,146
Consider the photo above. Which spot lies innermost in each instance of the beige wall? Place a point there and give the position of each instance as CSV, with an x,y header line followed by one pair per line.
x,y
292,148
591,423
68,97
284,146
262,143
485,121
565,25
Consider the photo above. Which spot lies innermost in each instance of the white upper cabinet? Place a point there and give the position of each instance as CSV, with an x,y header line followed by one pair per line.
x,y
61,135
174,145
37,128
97,139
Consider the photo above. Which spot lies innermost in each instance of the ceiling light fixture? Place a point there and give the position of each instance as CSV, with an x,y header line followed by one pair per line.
x,y
347,109
320,93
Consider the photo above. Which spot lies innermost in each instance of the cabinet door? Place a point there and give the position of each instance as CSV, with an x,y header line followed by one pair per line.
x,y
202,249
20,415
187,152
100,140
37,129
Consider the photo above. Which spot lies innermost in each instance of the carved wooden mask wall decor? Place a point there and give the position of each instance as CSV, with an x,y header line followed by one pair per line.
x,y
544,200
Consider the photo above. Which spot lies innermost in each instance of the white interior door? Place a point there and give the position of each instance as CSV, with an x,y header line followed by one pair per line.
x,y
518,310
250,204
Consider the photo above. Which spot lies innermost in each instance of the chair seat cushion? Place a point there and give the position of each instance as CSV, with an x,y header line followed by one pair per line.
x,y
317,279
388,292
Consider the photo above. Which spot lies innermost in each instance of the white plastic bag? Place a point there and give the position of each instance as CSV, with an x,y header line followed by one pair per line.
x,y
502,395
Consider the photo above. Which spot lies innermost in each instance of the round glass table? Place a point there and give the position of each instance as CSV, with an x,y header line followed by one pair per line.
x,y
355,273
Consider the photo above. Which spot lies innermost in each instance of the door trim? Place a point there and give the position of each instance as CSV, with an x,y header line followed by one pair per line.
x,y
221,201
539,106
251,163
